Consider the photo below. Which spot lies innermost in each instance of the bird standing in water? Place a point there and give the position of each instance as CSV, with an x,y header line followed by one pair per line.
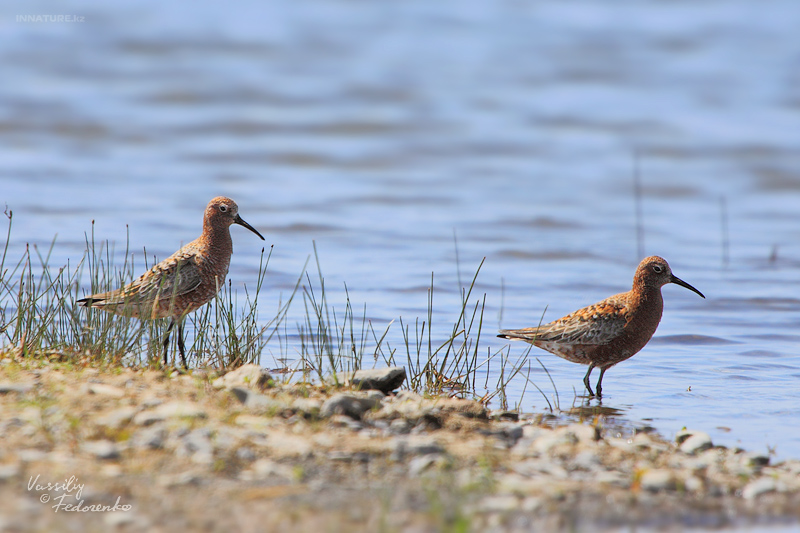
x,y
184,281
610,331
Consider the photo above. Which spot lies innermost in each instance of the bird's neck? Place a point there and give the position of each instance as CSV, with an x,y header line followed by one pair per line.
x,y
649,297
218,238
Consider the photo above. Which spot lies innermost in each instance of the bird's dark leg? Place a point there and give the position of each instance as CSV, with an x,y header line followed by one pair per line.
x,y
586,379
181,347
166,341
600,382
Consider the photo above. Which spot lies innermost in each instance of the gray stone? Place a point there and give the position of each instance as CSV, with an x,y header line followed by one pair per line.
x,y
147,418
152,437
101,389
419,464
197,445
117,418
256,401
415,445
383,379
247,376
20,388
180,409
176,480
264,468
348,404
755,459
31,455
101,449
246,453
9,470
399,426
699,441
760,486
658,479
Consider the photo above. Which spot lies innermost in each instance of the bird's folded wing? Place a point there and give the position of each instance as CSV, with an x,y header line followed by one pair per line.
x,y
175,276
597,324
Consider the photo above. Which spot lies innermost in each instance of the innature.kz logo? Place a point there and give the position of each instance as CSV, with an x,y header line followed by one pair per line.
x,y
50,18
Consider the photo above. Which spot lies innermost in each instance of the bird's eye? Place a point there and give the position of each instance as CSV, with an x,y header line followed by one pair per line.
x,y
658,269
223,208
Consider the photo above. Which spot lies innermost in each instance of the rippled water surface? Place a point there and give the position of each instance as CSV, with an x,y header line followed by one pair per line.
x,y
389,131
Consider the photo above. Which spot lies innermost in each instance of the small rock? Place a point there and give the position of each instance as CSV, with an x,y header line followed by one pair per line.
x,y
657,479
247,376
257,401
119,518
693,484
418,465
264,468
246,453
349,404
500,414
553,439
416,445
760,486
176,480
20,388
31,455
499,504
307,406
101,449
254,422
180,410
756,459
102,389
147,418
699,441
399,426
383,379
8,471
152,437
283,444
117,418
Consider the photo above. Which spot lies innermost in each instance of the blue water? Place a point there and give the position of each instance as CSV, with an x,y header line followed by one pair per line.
x,y
388,132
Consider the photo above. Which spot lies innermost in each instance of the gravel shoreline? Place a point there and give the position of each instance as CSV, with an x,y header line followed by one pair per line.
x,y
239,453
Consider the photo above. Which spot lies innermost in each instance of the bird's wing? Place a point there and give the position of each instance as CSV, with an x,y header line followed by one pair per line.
x,y
596,324
174,276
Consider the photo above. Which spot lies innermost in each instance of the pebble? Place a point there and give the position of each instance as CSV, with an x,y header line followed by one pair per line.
x,y
180,409
383,379
246,376
349,404
760,486
418,465
698,441
101,389
264,468
101,449
657,479
117,418
258,402
415,445
20,388
152,437
9,470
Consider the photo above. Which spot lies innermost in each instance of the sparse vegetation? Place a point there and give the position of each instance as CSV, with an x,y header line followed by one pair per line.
x,y
39,317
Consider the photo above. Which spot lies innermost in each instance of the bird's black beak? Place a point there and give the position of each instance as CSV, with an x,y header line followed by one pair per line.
x,y
678,281
239,220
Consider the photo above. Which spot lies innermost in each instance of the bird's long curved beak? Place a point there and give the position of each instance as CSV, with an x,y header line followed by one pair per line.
x,y
239,220
678,281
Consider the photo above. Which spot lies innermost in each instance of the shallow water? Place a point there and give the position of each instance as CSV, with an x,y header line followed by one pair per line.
x,y
386,132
